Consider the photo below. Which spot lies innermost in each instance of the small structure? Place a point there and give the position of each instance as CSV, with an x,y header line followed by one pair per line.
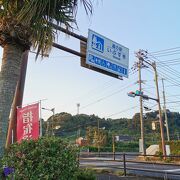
x,y
123,138
153,149
81,141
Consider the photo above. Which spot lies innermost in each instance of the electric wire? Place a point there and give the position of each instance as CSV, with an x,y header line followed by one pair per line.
x,y
167,54
169,69
105,97
169,61
165,50
105,86
167,76
125,110
172,79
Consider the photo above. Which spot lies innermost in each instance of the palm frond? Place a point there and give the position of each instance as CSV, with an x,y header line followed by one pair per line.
x,y
36,14
87,5
42,37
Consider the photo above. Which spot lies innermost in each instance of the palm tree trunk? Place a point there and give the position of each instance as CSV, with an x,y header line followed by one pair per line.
x,y
18,98
10,71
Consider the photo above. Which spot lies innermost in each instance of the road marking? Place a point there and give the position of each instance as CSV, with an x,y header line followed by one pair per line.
x,y
172,170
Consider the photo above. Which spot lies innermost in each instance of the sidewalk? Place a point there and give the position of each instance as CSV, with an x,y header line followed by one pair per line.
x,y
114,177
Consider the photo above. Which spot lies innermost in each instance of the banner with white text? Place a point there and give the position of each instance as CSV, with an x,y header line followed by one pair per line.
x,y
28,122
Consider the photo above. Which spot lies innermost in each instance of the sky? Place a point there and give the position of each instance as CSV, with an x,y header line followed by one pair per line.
x,y
61,83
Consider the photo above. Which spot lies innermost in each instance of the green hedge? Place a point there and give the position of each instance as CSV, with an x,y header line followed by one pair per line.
x,y
174,147
119,147
47,159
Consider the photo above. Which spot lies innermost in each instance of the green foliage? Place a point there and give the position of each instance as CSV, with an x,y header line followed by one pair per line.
x,y
46,158
174,147
85,174
69,125
96,137
160,154
119,147
36,18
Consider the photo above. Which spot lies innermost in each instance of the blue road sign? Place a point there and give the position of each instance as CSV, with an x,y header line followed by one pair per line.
x,y
106,54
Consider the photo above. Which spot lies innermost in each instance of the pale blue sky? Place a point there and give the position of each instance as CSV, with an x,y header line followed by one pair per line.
x,y
152,25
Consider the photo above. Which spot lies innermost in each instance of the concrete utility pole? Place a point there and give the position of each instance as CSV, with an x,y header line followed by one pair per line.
x,y
52,122
165,112
98,137
141,54
113,146
79,130
141,109
160,114
78,105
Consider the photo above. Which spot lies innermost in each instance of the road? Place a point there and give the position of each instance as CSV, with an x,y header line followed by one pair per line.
x,y
171,171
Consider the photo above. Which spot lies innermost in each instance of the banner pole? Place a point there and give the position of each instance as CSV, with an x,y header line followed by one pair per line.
x,y
40,120
12,138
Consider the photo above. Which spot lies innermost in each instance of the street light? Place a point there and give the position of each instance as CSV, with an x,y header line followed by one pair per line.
x,y
53,111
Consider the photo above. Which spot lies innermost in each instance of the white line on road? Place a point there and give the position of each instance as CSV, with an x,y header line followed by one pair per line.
x,y
172,170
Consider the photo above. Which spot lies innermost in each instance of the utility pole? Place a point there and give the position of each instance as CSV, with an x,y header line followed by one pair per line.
x,y
78,105
98,137
141,54
141,108
53,111
47,129
79,130
52,122
113,146
165,112
160,114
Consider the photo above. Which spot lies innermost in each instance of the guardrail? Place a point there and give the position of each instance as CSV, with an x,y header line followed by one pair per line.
x,y
126,158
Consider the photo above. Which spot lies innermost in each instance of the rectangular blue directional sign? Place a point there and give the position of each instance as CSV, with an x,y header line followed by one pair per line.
x,y
107,55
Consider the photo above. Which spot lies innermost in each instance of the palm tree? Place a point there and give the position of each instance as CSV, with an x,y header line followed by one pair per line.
x,y
25,24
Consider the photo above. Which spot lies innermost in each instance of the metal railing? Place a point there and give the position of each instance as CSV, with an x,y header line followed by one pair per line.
x,y
150,165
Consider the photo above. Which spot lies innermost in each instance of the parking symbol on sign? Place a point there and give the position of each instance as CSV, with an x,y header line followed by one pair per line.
x,y
97,43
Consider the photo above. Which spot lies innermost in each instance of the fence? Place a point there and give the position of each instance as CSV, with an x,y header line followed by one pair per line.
x,y
147,165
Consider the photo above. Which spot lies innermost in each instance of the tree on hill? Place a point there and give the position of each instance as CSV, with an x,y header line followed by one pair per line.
x,y
96,137
25,24
69,125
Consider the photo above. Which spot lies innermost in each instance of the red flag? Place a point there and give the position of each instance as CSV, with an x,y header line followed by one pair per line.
x,y
28,122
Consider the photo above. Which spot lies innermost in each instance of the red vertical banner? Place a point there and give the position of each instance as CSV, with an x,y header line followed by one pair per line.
x,y
28,122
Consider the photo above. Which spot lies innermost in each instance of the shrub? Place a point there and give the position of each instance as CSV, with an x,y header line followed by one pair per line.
x,y
46,158
85,174
174,147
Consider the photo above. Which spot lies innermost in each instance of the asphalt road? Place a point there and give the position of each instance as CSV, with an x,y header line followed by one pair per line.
x,y
171,171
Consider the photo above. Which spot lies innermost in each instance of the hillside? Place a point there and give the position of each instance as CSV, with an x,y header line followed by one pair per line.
x,y
74,126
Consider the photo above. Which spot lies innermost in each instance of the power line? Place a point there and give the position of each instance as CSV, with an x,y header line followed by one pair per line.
x,y
156,59
167,54
105,97
169,61
104,86
164,50
170,102
167,76
125,110
171,82
168,65
173,95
